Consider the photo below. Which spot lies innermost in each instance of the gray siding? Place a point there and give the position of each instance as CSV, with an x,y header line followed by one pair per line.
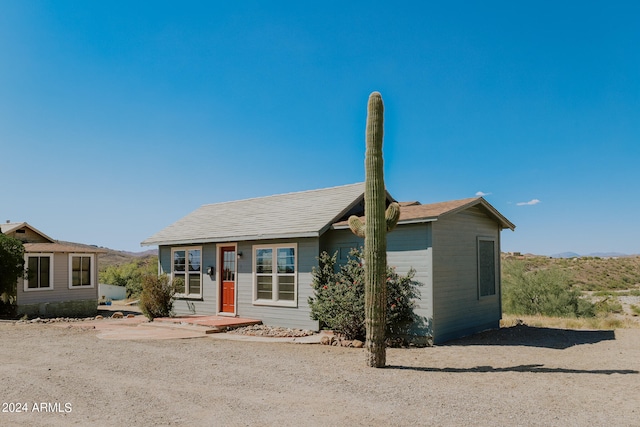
x,y
294,317
290,317
60,291
458,311
408,246
207,305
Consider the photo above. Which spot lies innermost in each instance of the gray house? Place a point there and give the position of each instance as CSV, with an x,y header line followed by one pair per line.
x,y
253,258
62,279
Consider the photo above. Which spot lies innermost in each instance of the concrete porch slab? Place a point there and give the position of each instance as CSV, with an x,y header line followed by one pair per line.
x,y
221,323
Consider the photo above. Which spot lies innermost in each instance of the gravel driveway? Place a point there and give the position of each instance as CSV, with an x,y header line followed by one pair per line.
x,y
526,376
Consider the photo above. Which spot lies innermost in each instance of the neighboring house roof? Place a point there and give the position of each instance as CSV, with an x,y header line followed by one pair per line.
x,y
412,213
10,227
50,246
61,247
301,214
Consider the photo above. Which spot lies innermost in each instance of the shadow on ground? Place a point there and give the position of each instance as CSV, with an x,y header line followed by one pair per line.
x,y
519,368
523,335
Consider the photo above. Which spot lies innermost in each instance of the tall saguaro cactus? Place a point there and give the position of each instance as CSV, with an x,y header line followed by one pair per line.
x,y
374,230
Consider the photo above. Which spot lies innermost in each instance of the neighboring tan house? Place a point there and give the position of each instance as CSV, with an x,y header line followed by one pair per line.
x,y
225,253
62,279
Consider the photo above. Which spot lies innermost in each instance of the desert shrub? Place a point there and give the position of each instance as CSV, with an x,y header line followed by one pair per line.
x,y
156,299
609,305
544,291
338,301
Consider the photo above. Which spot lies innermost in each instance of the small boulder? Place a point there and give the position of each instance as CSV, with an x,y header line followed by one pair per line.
x,y
357,344
325,340
99,317
130,316
117,315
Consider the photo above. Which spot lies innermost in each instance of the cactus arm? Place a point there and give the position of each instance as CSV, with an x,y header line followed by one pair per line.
x,y
392,215
356,226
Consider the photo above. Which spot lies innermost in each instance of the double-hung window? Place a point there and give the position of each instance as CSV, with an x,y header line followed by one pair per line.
x,y
39,272
275,275
487,267
81,271
187,271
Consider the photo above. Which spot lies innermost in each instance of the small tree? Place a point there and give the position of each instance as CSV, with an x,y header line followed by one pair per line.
x,y
156,299
338,301
11,269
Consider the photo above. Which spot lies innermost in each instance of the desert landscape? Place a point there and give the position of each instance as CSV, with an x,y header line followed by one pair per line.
x,y
63,374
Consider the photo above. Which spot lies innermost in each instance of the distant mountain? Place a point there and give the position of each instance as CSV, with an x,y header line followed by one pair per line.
x,y
593,254
143,253
113,257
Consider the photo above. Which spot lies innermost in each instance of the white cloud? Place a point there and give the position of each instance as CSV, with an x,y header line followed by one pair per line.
x,y
529,203
482,193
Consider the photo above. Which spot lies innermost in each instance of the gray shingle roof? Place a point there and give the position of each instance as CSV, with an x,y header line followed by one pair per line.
x,y
301,214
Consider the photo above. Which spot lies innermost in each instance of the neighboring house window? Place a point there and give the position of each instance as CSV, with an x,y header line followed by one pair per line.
x,y
187,268
275,274
81,271
486,267
39,272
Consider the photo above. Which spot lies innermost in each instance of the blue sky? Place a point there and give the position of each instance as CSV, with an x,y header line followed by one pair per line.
x,y
118,118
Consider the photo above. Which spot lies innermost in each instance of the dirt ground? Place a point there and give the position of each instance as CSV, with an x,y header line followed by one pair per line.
x,y
57,375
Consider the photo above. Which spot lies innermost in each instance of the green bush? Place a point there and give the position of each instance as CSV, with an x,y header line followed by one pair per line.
x,y
544,291
338,301
130,275
156,299
11,269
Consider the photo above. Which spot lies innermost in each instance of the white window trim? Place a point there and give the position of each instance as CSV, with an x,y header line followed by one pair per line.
x,y
495,267
186,273
26,280
274,291
92,271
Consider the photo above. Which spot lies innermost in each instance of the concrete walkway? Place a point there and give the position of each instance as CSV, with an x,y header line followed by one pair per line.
x,y
138,327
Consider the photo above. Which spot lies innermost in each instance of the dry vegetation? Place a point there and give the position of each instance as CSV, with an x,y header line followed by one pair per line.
x,y
612,284
593,273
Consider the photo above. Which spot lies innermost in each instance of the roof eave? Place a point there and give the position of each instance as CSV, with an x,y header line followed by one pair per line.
x,y
204,240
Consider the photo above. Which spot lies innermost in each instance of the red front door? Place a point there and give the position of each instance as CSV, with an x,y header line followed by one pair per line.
x,y
228,279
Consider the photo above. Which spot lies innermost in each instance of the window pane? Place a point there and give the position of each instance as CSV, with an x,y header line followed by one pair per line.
x,y
286,288
76,271
194,284
194,260
286,260
86,270
265,287
33,272
264,260
486,268
178,281
179,261
44,272
229,265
